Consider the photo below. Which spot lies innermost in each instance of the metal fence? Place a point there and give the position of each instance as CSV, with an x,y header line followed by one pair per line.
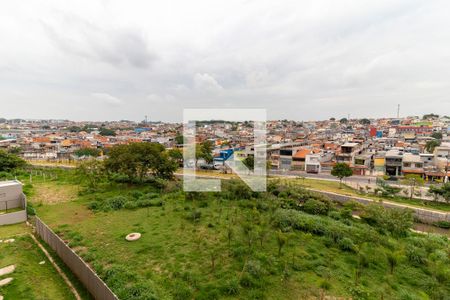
x,y
98,289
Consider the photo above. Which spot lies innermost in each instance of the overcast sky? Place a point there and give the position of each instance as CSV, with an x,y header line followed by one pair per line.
x,y
301,60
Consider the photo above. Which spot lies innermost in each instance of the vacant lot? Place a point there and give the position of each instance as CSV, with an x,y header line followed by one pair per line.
x,y
209,247
31,279
52,193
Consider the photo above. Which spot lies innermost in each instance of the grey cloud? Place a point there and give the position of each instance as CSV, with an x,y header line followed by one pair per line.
x,y
300,60
107,98
116,47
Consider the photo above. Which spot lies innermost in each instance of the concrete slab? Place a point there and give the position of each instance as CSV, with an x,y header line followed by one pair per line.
x,y
7,270
5,281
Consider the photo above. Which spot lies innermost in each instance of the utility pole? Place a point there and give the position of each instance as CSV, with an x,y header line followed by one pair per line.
x,y
398,111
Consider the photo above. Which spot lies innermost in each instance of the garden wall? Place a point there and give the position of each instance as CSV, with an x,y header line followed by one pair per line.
x,y
13,218
98,289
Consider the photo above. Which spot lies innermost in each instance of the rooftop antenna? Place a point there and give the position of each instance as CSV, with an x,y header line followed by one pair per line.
x,y
398,111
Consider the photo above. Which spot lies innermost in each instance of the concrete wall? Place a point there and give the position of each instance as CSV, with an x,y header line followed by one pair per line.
x,y
13,218
11,195
423,215
98,289
19,202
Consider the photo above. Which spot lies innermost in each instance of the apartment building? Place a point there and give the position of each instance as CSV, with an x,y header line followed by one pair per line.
x,y
412,164
348,153
394,162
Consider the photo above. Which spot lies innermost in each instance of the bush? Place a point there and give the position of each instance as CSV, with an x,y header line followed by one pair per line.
x,y
136,194
181,291
335,215
442,224
237,190
415,255
119,178
247,281
94,205
396,221
30,210
346,213
347,244
130,205
194,215
116,203
149,196
315,207
230,288
149,202
210,292
254,268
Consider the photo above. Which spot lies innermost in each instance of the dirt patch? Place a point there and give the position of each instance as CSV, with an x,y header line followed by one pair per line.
x,y
48,193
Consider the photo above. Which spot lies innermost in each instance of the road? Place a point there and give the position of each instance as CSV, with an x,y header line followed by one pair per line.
x,y
361,180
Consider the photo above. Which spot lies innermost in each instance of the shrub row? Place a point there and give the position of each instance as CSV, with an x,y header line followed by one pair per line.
x,y
119,202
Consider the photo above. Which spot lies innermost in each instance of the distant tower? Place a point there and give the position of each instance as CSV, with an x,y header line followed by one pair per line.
x,y
146,121
398,111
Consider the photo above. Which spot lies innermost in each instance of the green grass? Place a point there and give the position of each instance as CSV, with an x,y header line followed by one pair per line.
x,y
12,230
31,280
10,210
173,259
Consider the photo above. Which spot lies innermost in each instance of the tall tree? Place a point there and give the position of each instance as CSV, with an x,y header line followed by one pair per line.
x,y
107,132
94,152
138,160
204,150
443,191
179,139
437,135
413,181
364,121
341,170
431,145
10,162
249,162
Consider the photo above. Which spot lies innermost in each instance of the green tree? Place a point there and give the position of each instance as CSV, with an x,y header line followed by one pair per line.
x,y
430,116
413,181
138,160
430,145
91,172
74,129
179,139
15,150
9,162
364,121
443,191
386,189
204,150
176,155
437,135
94,152
341,170
343,121
107,132
249,162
